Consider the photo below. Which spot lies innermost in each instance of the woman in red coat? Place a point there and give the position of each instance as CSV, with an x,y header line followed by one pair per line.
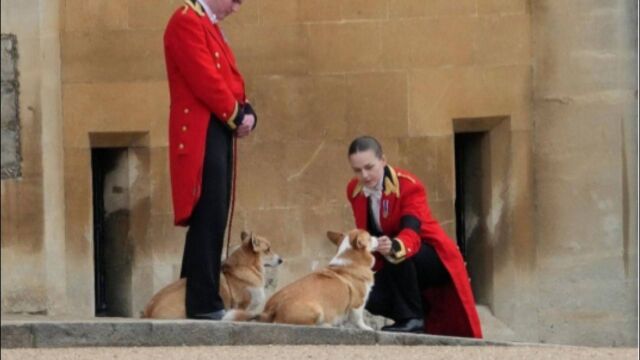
x,y
421,281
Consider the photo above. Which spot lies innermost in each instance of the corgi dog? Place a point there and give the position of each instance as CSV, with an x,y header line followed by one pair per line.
x,y
331,296
241,281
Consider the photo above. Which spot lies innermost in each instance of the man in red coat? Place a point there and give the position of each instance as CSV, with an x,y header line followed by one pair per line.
x,y
209,109
421,281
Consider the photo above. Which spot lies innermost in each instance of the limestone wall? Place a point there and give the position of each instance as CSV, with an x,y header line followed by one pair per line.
x,y
32,234
547,98
585,102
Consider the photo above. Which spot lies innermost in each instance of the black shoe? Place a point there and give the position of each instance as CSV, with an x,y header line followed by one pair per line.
x,y
408,325
216,315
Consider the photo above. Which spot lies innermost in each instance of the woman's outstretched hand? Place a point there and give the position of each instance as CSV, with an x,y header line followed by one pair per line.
x,y
384,245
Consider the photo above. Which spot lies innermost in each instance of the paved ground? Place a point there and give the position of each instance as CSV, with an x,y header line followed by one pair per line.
x,y
325,352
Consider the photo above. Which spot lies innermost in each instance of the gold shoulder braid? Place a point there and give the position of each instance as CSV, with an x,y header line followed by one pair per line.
x,y
194,5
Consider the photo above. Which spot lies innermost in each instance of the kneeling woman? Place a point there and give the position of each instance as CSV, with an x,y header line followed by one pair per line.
x,y
421,281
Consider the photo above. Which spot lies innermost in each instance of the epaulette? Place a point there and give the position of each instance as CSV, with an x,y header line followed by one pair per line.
x,y
193,5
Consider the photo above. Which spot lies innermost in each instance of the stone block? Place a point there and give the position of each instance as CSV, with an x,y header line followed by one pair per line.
x,y
407,8
304,108
266,334
30,215
503,40
9,228
314,177
8,57
167,239
15,336
249,14
258,51
344,47
364,9
318,10
112,56
438,96
431,160
435,42
190,333
278,11
261,177
316,221
160,191
21,18
123,107
377,104
78,200
282,227
521,199
437,8
151,14
96,15
83,334
502,7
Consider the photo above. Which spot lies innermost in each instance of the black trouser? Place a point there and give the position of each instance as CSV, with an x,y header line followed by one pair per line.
x,y
397,290
203,246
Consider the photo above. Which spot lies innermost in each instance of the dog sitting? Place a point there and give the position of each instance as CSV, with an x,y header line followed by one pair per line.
x,y
330,296
241,281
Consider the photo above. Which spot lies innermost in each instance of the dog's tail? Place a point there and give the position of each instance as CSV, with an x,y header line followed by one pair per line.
x,y
244,315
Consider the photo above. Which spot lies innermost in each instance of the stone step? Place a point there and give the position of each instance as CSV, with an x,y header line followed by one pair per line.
x,y
135,332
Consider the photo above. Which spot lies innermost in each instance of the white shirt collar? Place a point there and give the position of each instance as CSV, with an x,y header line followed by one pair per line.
x,y
377,191
210,14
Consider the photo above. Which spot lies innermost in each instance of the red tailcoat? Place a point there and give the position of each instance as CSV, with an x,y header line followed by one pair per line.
x,y
450,309
203,80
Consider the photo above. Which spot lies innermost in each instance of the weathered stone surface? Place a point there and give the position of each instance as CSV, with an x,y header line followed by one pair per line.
x,y
120,332
16,336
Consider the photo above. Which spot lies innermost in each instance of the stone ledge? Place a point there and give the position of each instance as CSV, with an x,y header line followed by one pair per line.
x,y
131,332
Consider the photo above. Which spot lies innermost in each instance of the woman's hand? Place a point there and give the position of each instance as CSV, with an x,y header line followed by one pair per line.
x,y
384,245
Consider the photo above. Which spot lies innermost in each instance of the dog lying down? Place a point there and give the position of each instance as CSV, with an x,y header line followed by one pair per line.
x,y
241,281
330,296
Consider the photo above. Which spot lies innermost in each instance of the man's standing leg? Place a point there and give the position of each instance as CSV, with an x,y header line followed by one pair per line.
x,y
205,237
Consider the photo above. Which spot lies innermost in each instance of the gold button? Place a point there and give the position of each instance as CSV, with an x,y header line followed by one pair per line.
x,y
184,128
218,65
181,146
186,110
217,54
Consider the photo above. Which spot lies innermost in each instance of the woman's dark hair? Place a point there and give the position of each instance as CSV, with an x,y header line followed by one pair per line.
x,y
364,143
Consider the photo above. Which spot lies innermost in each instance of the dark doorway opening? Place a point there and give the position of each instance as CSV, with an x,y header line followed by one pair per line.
x,y
112,254
471,206
468,169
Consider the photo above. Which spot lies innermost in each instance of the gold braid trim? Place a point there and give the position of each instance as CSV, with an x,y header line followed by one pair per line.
x,y
194,6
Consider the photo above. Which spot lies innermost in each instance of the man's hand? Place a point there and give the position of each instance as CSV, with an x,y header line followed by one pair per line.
x,y
384,245
247,124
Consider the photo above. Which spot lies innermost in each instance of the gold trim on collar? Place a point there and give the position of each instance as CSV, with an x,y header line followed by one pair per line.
x,y
356,190
195,7
391,184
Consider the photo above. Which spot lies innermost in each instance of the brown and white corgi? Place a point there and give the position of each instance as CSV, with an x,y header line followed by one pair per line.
x,y
330,296
241,281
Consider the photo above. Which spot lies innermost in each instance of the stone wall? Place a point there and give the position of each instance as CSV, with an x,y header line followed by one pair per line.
x,y
29,235
411,72
585,102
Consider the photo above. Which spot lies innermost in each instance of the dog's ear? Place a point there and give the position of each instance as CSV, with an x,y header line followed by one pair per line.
x,y
361,240
335,237
244,236
258,244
